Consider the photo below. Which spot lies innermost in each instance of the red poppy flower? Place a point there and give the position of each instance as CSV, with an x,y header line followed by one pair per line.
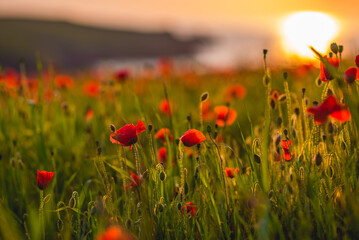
x,y
122,75
92,88
274,94
89,114
135,182
166,107
357,61
224,115
287,154
230,172
114,233
161,134
236,91
64,81
189,208
162,155
351,75
324,72
43,179
127,135
331,108
192,137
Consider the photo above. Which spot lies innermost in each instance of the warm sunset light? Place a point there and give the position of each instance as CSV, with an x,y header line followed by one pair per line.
x,y
303,29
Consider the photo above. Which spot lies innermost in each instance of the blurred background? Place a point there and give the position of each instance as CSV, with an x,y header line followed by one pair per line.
x,y
223,34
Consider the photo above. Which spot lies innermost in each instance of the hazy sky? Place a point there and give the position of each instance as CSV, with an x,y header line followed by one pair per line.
x,y
179,15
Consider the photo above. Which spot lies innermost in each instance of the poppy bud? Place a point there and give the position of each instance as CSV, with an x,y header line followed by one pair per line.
x,y
334,48
257,158
209,129
303,92
99,150
265,51
179,206
113,128
341,48
279,121
306,101
266,80
285,75
204,96
149,127
324,137
282,98
318,159
315,103
272,103
215,134
189,118
278,140
285,131
296,111
330,54
216,126
185,188
318,82
162,176
128,223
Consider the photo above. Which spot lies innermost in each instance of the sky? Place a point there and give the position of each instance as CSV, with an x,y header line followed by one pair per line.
x,y
226,18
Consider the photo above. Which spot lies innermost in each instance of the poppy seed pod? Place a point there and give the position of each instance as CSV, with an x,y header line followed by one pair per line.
x,y
204,96
318,159
282,98
334,47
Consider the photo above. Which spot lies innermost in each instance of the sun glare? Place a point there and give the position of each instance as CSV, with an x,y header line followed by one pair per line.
x,y
303,29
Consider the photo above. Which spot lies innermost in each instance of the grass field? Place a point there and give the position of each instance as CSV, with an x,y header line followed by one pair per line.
x,y
265,169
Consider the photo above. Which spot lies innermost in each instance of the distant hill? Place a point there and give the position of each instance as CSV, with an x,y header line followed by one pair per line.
x,y
73,46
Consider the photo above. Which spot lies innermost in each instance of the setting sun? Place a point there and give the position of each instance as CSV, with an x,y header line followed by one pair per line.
x,y
303,29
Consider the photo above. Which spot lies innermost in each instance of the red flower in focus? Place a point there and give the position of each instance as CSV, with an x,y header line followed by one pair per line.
x,y
274,94
166,107
122,75
236,91
92,88
43,179
230,172
324,72
189,208
192,137
135,181
287,154
331,108
161,134
224,115
127,135
89,114
357,61
162,155
351,75
64,81
114,233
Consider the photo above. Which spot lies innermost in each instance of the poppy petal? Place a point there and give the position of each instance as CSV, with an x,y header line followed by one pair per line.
x,y
140,127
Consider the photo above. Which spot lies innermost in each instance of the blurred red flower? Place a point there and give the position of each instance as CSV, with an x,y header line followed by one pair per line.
x,y
89,114
236,91
230,172
121,75
192,137
224,115
127,135
166,107
92,88
325,75
206,110
43,179
331,108
135,182
161,135
162,155
274,94
190,208
357,61
114,233
351,75
64,81
288,155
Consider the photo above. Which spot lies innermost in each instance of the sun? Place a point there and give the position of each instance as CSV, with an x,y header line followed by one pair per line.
x,y
303,29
